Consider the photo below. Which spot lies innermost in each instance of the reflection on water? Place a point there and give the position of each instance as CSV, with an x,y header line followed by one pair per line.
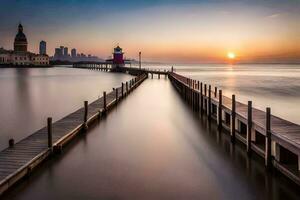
x,y
29,96
153,147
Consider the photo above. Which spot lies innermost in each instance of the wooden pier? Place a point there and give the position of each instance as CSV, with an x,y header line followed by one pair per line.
x,y
104,66
21,158
276,140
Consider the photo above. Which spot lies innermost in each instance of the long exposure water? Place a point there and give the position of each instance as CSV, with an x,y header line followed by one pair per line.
x,y
267,85
29,96
152,146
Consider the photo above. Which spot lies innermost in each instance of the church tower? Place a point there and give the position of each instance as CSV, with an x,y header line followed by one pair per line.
x,y
20,43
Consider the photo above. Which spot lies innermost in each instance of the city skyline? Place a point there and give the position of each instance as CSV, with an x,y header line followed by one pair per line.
x,y
165,31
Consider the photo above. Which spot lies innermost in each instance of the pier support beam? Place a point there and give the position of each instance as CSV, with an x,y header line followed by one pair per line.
x,y
233,115
122,90
117,95
201,98
86,104
104,101
249,127
209,102
220,110
49,129
268,161
205,99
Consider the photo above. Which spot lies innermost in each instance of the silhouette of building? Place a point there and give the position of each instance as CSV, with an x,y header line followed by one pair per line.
x,y
66,52
20,43
43,48
73,53
20,55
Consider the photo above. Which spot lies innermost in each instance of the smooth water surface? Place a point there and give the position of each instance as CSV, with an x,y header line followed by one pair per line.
x,y
152,146
266,85
29,96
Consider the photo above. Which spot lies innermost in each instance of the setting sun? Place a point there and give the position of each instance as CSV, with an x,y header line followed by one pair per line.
x,y
231,55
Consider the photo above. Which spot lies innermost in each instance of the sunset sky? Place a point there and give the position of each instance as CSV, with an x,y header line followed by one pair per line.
x,y
184,31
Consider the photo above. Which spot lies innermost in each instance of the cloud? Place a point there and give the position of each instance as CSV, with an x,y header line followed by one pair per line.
x,y
273,16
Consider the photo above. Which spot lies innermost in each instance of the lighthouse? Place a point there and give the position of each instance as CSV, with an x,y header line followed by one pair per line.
x,y
118,60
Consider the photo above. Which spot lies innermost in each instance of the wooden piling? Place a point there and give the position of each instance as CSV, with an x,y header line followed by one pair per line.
x,y
85,117
122,89
201,97
117,94
49,128
205,99
233,115
11,143
249,127
216,91
268,161
209,102
126,87
220,110
104,101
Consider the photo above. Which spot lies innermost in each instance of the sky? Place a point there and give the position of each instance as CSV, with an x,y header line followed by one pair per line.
x,y
178,31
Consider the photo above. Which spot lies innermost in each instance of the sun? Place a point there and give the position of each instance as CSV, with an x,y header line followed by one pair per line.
x,y
231,55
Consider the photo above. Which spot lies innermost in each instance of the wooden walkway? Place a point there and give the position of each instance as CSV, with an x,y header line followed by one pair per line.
x,y
19,160
275,139
129,70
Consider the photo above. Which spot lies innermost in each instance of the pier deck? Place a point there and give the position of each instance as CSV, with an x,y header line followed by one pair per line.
x,y
19,160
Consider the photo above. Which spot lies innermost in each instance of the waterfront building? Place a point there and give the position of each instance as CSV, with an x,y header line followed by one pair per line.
x,y
43,48
118,58
20,43
66,52
20,56
73,53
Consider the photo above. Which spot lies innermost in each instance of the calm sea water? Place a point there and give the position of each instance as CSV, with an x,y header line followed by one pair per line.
x,y
29,96
276,86
152,146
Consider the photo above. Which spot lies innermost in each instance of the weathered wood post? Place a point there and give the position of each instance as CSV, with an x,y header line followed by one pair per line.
x,y
209,102
233,114
216,91
11,143
151,75
268,161
201,97
104,101
193,94
205,99
117,94
198,95
220,110
86,104
249,127
49,129
159,74
126,88
122,89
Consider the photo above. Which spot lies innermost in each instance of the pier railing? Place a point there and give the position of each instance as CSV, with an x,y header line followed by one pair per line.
x,y
18,160
275,139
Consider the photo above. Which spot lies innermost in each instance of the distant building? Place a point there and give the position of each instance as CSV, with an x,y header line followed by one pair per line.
x,y
20,56
58,53
43,48
118,60
20,44
66,52
73,53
